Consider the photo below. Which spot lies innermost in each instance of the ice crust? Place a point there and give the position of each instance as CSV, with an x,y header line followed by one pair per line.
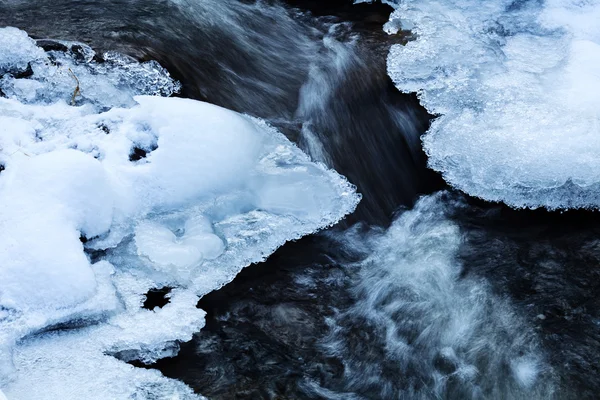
x,y
87,229
516,88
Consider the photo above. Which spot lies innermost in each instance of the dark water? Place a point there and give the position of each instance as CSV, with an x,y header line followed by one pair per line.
x,y
301,324
458,299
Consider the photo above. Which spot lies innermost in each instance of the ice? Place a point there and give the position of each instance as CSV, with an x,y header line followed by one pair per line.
x,y
516,86
162,247
77,75
119,192
17,50
79,365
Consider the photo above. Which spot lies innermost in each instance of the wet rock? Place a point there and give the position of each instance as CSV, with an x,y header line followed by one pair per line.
x,y
137,153
79,52
104,128
51,45
19,74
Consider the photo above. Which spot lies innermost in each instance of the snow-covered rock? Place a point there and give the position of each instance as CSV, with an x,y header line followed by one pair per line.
x,y
109,190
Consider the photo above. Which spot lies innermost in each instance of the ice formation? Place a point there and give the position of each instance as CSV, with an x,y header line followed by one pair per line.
x,y
109,190
516,86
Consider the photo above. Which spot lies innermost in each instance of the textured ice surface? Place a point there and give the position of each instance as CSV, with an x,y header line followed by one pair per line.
x,y
105,81
517,88
110,193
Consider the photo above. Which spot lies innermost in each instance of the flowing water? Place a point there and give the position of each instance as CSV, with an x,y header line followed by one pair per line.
x,y
411,297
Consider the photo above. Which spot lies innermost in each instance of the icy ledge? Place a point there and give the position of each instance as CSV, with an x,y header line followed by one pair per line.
x,y
516,86
162,191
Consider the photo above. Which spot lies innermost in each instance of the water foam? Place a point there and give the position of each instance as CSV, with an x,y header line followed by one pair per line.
x,y
421,329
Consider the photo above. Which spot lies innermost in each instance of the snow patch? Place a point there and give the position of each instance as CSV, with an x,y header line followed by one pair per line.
x,y
87,230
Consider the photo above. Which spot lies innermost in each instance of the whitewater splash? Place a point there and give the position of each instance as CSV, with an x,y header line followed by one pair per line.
x,y
516,85
110,190
419,328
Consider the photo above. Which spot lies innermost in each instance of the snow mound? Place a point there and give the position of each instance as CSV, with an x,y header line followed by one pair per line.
x,y
107,193
516,86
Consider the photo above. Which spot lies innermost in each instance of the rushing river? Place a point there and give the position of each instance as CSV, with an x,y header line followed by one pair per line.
x,y
422,292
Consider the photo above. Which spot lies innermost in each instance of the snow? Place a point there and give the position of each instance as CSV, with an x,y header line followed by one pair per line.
x,y
17,50
49,218
87,228
516,86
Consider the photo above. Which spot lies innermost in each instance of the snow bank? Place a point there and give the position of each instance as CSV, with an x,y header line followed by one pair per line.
x,y
517,88
108,192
